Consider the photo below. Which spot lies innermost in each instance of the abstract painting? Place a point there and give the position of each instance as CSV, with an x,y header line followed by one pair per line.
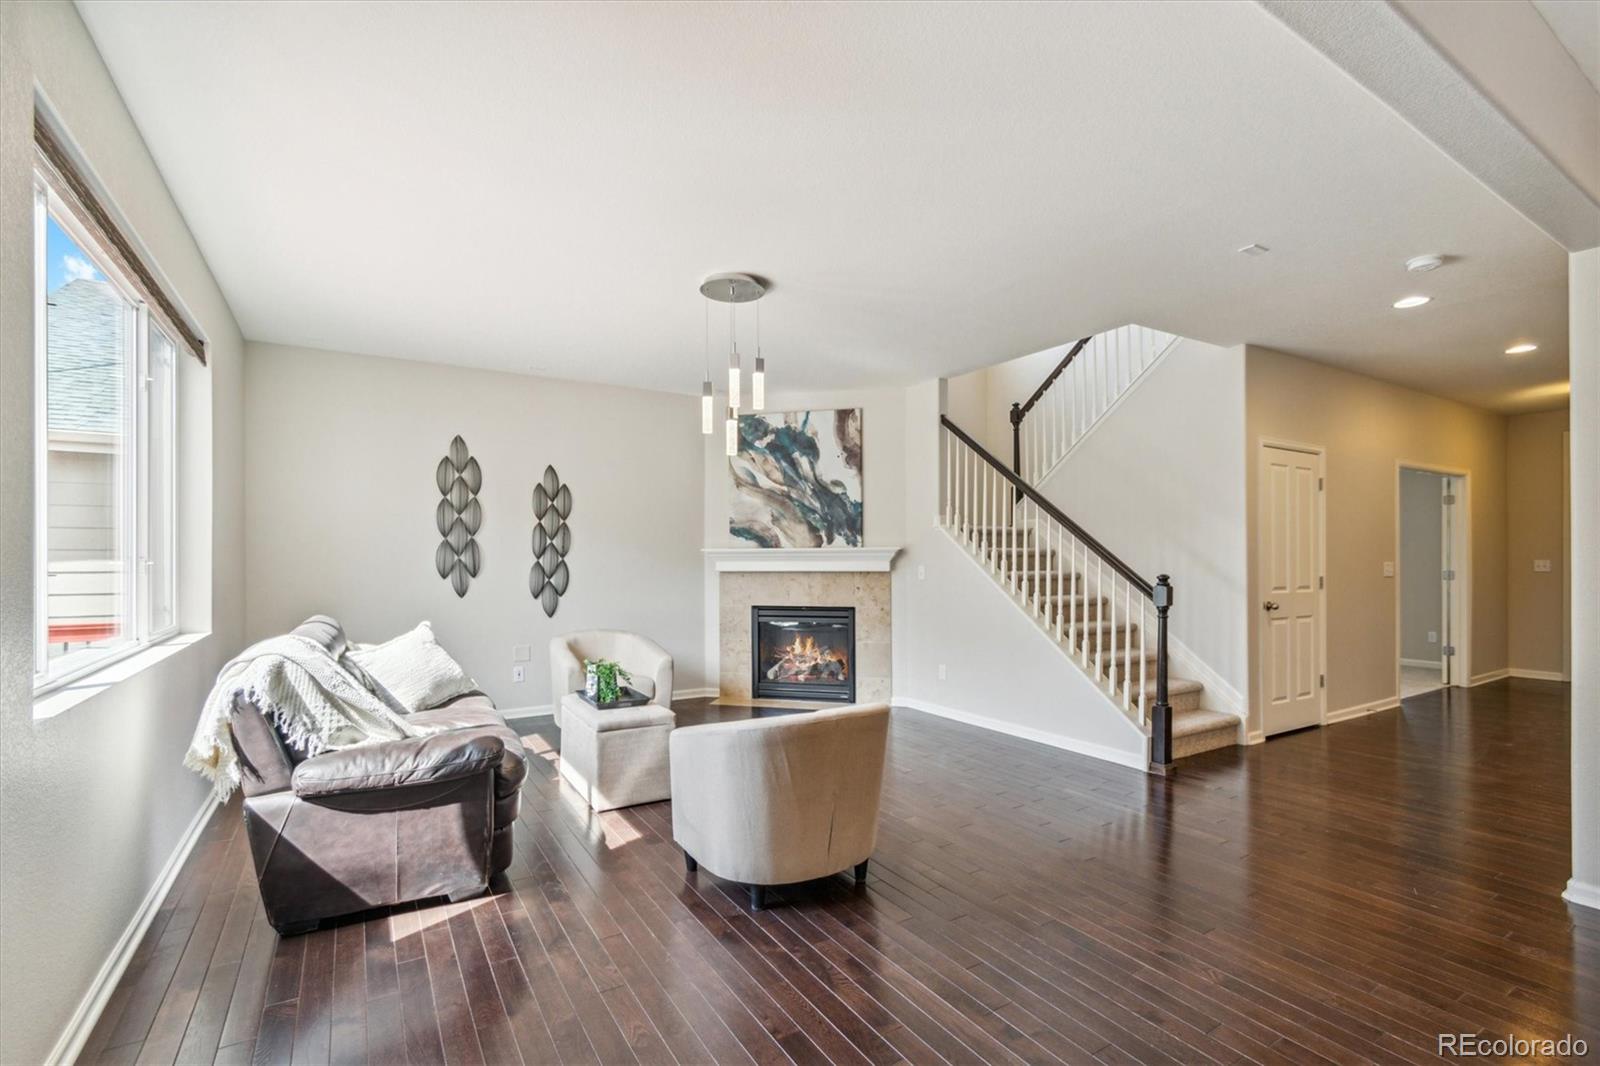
x,y
797,479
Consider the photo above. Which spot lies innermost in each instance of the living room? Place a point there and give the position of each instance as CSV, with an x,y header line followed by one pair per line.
x,y
709,532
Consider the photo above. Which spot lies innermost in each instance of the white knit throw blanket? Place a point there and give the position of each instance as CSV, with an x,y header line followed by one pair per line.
x,y
315,703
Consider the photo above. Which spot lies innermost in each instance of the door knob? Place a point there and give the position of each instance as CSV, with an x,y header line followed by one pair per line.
x,y
1270,605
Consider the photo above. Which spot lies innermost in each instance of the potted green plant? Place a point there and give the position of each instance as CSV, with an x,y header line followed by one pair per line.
x,y
605,678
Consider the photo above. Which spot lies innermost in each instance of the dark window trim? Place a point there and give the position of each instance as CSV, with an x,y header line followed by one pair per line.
x,y
71,184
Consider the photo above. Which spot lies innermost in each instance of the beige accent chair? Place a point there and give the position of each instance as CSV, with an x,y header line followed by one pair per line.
x,y
642,657
773,801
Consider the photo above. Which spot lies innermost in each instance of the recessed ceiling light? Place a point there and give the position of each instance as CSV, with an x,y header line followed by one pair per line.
x,y
1254,249
1411,301
1421,264
1521,349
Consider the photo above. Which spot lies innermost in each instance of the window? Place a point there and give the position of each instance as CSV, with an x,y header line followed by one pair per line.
x,y
104,445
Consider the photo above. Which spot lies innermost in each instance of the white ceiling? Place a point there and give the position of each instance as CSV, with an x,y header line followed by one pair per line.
x,y
931,188
1576,24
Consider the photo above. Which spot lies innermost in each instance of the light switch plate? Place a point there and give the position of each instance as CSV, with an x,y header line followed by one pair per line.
x,y
519,674
941,672
1541,566
1388,570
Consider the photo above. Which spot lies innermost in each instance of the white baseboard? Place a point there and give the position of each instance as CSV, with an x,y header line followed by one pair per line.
x,y
70,1044
1431,664
1255,736
1484,679
542,710
1582,893
707,693
1360,710
1537,675
1136,761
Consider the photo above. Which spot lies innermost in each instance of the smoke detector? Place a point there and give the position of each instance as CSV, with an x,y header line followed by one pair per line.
x,y
1421,264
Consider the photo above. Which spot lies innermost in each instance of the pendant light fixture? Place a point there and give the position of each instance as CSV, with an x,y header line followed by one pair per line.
x,y
758,378
733,353
707,401
732,289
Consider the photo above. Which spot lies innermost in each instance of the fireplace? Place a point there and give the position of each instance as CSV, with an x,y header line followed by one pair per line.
x,y
803,653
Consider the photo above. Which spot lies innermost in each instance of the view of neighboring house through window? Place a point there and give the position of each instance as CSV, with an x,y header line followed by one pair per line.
x,y
105,434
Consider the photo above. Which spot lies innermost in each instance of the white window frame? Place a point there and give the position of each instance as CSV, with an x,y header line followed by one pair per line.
x,y
134,465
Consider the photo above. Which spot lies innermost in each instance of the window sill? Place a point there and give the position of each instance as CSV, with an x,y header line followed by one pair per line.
x,y
60,700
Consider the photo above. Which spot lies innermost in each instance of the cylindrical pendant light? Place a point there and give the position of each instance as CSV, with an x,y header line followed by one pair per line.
x,y
758,377
733,354
732,431
707,404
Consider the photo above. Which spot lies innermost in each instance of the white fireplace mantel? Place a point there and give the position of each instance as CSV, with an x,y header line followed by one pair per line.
x,y
799,560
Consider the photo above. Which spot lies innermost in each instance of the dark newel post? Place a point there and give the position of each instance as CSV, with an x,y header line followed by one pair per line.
x,y
1016,441
1161,713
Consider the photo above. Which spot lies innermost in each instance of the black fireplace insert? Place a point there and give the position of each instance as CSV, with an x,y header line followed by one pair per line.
x,y
803,653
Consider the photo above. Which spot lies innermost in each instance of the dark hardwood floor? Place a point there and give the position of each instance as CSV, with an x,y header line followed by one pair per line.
x,y
1338,895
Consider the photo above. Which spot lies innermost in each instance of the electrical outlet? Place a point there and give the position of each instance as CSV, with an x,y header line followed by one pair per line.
x,y
941,671
519,674
1541,566
1433,636
922,572
1388,570
521,653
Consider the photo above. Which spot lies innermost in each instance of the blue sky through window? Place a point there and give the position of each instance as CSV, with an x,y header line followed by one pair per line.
x,y
64,260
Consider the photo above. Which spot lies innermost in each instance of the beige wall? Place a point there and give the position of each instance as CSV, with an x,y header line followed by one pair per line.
x,y
1368,428
93,801
341,451
1535,489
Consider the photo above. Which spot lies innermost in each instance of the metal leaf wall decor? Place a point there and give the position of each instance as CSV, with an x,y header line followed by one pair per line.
x,y
552,539
458,516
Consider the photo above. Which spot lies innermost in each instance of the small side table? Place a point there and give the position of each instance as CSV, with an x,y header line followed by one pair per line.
x,y
616,758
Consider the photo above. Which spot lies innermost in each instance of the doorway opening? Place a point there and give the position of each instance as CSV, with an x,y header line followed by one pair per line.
x,y
1431,581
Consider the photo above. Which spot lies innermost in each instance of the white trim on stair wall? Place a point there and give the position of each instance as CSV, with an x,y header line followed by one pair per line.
x,y
70,1044
1022,732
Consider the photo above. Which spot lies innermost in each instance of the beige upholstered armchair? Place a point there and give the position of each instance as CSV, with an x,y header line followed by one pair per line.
x,y
772,801
642,657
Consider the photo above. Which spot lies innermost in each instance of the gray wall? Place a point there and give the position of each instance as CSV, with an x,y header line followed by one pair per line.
x,y
93,801
341,456
1421,560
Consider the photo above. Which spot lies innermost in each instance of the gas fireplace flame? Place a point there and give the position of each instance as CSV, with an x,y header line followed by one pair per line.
x,y
803,659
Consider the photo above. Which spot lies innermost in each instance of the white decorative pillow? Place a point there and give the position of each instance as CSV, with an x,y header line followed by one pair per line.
x,y
414,669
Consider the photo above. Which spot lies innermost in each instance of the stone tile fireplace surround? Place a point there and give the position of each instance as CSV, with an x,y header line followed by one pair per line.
x,y
748,578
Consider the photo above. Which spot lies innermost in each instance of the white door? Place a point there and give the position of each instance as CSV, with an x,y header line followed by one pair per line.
x,y
1290,552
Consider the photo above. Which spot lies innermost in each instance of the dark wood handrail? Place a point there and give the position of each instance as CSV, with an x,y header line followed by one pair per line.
x,y
1027,405
1024,489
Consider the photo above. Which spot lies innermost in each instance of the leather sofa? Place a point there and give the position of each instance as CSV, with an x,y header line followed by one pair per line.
x,y
642,657
774,801
401,820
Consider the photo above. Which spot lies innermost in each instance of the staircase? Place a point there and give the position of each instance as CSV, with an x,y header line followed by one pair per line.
x,y
1083,388
1105,617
